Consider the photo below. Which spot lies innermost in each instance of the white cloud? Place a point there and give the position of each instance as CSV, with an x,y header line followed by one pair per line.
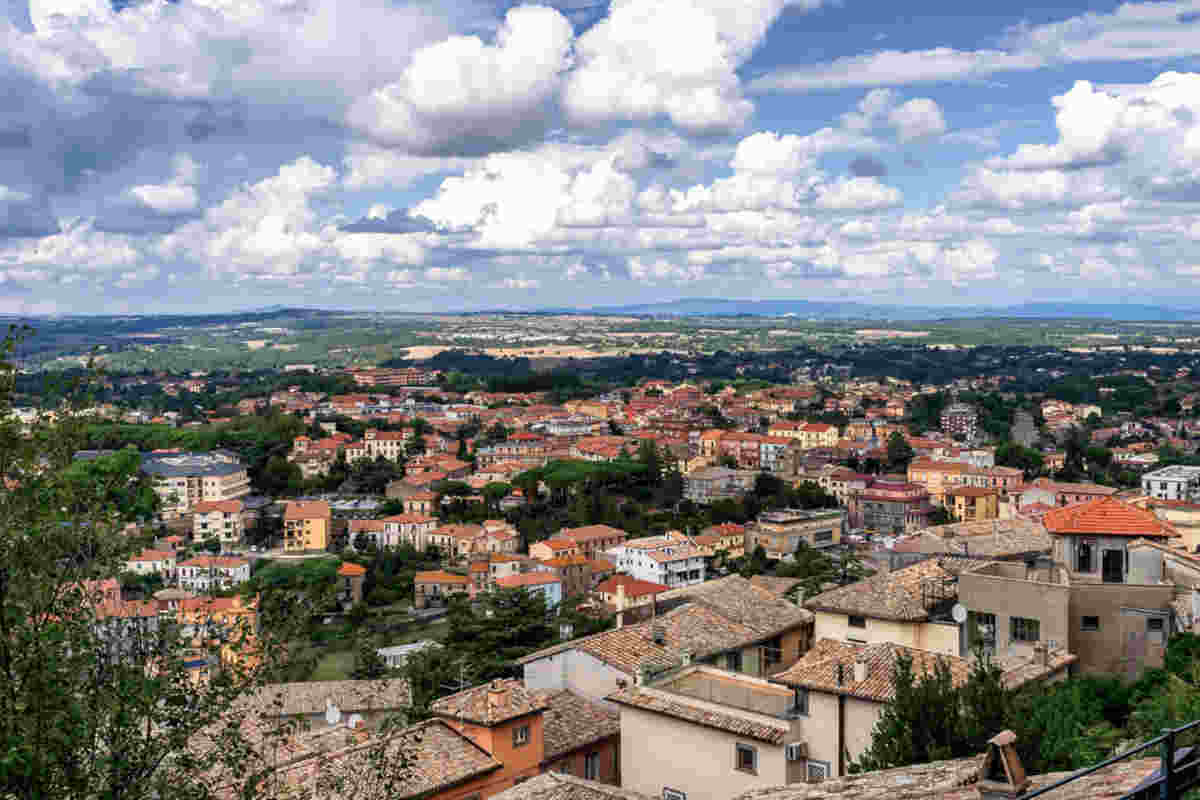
x,y
676,58
447,274
789,154
916,119
77,248
1134,31
520,282
1020,190
857,194
177,196
463,96
662,271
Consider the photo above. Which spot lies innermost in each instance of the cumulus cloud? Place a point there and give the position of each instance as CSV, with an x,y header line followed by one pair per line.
x,y
769,152
21,214
916,119
462,96
674,58
856,194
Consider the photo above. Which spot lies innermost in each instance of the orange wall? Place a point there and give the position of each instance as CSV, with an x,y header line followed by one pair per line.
x,y
518,762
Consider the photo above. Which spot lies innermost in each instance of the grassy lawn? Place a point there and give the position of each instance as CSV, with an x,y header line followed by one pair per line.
x,y
334,666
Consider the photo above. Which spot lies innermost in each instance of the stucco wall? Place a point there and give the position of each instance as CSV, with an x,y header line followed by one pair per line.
x,y
820,728
1009,597
835,626
573,669
939,637
1106,650
659,751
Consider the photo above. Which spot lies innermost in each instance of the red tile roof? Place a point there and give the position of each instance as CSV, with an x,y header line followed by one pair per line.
x,y
633,586
440,576
228,506
527,579
1107,516
351,570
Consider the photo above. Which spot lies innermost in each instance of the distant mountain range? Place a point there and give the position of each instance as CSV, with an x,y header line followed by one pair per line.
x,y
1121,312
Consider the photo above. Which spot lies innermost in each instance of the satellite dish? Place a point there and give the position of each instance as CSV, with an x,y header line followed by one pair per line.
x,y
959,613
333,714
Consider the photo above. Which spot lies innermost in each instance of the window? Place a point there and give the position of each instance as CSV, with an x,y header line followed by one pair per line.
x,y
1084,556
799,702
823,536
673,794
591,766
520,736
817,771
856,622
746,759
1022,629
1089,624
1155,624
733,661
981,631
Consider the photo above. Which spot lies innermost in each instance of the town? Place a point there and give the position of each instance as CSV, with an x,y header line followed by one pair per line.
x,y
706,587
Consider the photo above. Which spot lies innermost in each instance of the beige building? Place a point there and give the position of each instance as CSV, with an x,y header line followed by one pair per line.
x,y
152,561
222,519
307,525
839,691
910,607
780,533
181,480
973,504
436,587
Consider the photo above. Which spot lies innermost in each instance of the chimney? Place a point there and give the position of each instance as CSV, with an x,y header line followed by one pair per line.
x,y
1003,775
860,669
497,695
620,597
658,634
839,674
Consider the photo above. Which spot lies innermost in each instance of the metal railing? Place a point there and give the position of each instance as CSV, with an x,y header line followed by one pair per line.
x,y
1170,781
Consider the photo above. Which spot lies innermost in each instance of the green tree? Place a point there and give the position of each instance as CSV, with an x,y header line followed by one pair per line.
x,y
649,458
1028,460
368,664
899,453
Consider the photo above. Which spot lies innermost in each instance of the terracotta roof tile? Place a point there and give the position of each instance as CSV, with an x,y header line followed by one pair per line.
x,y
763,728
633,586
572,721
1107,516
491,703
557,786
440,576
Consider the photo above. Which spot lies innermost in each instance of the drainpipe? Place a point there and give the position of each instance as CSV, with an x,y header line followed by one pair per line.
x,y
841,734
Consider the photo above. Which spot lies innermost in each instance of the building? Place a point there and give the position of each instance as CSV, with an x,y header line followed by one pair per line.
x,y
1173,483
892,505
960,419
397,655
667,560
1068,493
839,691
973,504
582,738
593,540
728,538
573,572
727,622
321,705
780,533
307,525
909,607
183,479
554,548
436,587
207,573
549,586
350,578
709,484
222,519
147,562
627,597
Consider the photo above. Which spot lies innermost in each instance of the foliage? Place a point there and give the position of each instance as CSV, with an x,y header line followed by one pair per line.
x,y
127,488
368,664
899,453
1028,460
500,627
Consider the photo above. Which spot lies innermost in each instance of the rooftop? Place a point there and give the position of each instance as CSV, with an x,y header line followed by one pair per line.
x,y
893,595
177,465
307,509
738,599
1107,516
592,532
491,703
440,576
527,579
633,586
571,721
784,516
560,786
739,722
311,697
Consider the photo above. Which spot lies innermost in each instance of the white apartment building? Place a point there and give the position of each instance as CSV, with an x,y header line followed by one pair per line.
x,y
660,559
149,562
222,519
1172,483
204,573
182,480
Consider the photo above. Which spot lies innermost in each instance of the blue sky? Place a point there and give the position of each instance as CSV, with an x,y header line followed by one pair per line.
x,y
211,154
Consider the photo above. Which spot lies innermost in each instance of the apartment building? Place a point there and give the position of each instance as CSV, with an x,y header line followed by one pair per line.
x,y
708,484
890,505
150,562
207,573
973,504
667,560
181,480
307,525
1173,483
960,419
780,533
436,587
222,519
593,540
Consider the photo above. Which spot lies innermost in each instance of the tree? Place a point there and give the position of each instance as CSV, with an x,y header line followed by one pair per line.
x,y
499,628
212,545
899,452
95,705
1028,460
368,664
649,458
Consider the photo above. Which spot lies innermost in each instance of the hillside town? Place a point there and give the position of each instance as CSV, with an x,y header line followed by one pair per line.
x,y
735,572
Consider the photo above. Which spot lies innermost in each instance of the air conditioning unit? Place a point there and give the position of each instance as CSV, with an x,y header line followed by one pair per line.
x,y
796,751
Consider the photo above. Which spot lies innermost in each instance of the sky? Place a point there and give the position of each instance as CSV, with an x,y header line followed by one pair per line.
x,y
210,155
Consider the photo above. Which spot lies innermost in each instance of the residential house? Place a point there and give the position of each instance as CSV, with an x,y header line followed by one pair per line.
x,y
838,692
549,586
365,533
629,598
709,484
220,519
671,561
728,537
909,607
890,505
1176,482
780,533
350,577
435,587
554,548
973,504
409,528
147,562
593,540
1068,493
207,573
307,525
582,738
818,434
574,573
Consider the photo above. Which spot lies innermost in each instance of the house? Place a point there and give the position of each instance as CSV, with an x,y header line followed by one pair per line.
x,y
365,533
973,504
624,594
397,656
1173,483
435,587
593,540
582,738
728,622
318,705
549,586
221,519
307,525
206,573
660,559
709,484
890,505
573,572
350,578
1068,493
780,533
838,691
818,434
728,537
149,562
554,548
410,528
909,607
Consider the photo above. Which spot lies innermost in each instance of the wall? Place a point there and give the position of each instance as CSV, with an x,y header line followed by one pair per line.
x,y
608,762
938,637
1007,596
829,625
820,728
861,716
659,751
577,670
1104,651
